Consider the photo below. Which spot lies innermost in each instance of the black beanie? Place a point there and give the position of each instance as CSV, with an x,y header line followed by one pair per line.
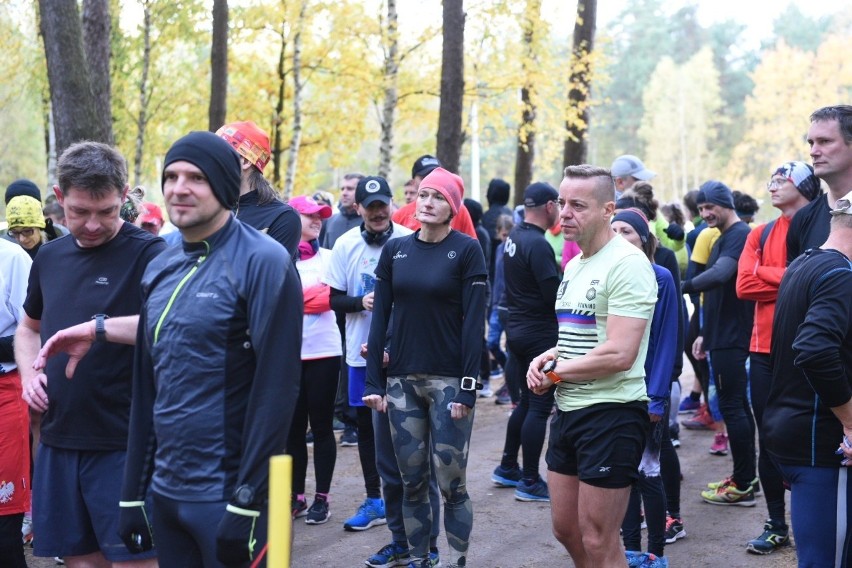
x,y
213,156
22,187
474,207
498,192
717,193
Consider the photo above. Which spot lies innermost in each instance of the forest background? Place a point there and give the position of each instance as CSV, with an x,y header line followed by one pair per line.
x,y
695,98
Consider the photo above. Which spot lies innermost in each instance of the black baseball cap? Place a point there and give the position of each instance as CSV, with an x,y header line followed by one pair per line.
x,y
424,165
539,193
373,188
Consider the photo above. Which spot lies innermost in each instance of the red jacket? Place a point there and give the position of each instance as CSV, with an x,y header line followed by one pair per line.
x,y
759,274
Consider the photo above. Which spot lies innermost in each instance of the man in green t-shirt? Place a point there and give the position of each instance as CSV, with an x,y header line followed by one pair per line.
x,y
604,307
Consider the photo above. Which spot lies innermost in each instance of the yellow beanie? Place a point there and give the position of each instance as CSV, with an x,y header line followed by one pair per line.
x,y
24,211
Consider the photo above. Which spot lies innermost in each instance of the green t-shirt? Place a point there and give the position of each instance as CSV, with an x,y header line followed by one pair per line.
x,y
616,280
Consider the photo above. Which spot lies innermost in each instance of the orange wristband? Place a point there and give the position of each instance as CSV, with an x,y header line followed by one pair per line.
x,y
548,370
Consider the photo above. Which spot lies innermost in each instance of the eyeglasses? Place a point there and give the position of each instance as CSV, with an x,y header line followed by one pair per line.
x,y
777,183
18,233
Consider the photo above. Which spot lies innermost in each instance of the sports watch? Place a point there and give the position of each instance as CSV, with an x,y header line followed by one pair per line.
x,y
243,496
100,327
468,384
548,369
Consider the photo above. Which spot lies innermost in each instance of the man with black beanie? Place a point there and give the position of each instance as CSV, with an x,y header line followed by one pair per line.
x,y
216,372
724,340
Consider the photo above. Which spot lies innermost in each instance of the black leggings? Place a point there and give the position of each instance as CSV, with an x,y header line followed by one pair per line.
x,y
185,532
367,452
528,424
11,548
760,378
316,402
731,380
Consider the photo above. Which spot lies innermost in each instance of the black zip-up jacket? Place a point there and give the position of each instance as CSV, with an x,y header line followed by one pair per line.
x,y
217,367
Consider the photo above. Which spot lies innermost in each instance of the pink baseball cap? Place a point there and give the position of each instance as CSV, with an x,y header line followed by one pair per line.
x,y
307,206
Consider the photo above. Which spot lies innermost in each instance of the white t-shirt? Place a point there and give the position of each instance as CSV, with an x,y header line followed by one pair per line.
x,y
15,266
617,280
353,270
320,336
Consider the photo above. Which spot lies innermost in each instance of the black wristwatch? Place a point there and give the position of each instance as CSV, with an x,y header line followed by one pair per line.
x,y
100,327
243,496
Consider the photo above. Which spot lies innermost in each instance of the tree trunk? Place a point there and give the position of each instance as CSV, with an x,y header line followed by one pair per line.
x,y
296,140
277,139
390,88
144,94
525,153
219,66
452,86
96,42
580,83
74,113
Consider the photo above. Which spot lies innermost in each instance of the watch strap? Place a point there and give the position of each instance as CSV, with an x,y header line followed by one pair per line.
x,y
100,327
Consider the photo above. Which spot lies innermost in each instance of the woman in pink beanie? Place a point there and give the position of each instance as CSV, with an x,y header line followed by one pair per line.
x,y
432,283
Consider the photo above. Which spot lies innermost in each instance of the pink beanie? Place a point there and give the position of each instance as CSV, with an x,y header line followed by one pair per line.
x,y
447,184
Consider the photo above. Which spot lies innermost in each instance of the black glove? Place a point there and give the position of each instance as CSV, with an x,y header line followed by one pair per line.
x,y
467,398
235,540
674,232
134,526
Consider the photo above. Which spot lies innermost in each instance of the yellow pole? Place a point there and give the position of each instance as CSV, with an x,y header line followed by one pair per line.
x,y
280,514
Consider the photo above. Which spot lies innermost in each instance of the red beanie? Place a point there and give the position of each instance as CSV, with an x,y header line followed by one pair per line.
x,y
447,184
249,141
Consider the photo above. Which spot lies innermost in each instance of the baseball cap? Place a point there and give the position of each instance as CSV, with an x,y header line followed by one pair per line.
x,y
424,165
843,206
629,165
539,193
249,140
308,206
151,213
373,188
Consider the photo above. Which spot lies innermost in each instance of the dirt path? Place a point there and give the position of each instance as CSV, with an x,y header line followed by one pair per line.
x,y
511,534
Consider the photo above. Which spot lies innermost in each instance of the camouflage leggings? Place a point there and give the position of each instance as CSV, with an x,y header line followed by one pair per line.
x,y
421,423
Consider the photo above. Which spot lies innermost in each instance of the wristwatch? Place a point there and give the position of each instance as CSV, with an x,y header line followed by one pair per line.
x,y
243,496
468,384
548,369
100,327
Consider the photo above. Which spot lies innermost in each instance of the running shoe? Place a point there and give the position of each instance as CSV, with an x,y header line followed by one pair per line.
x,y
674,530
485,391
688,406
318,513
496,372
428,562
59,560
371,513
701,421
635,558
775,535
300,507
535,491
755,485
349,437
502,396
390,555
506,476
719,447
729,495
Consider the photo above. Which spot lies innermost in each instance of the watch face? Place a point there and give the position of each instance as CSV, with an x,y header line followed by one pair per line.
x,y
549,366
244,495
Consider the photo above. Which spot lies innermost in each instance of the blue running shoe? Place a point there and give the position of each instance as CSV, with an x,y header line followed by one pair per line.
x,y
506,476
370,514
428,562
635,559
535,491
393,554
